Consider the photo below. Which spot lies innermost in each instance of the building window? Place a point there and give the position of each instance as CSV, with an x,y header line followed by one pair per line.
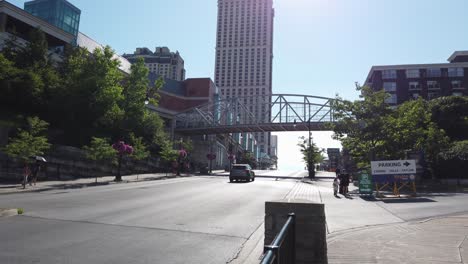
x,y
433,85
415,95
389,86
457,93
391,99
414,86
413,73
456,84
389,74
455,72
433,72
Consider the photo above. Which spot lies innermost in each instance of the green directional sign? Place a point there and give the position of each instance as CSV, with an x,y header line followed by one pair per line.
x,y
365,183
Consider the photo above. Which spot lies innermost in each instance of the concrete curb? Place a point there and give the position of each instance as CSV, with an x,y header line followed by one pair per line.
x,y
8,212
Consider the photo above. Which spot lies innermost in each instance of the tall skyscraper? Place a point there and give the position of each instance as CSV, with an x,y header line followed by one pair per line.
x,y
244,54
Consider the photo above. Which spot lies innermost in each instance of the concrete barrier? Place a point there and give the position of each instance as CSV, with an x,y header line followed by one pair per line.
x,y
311,241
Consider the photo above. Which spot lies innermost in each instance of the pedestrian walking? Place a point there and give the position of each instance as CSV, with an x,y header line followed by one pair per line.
x,y
341,182
336,186
26,174
35,171
345,183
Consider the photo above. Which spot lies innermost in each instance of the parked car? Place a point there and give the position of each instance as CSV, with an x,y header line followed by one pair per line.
x,y
241,172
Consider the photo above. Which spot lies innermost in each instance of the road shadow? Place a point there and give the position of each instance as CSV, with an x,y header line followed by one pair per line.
x,y
368,198
324,178
9,186
65,186
239,182
409,200
371,198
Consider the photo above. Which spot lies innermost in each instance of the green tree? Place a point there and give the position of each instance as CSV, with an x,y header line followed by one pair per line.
x,y
361,125
458,150
35,53
31,80
370,130
90,104
135,91
100,150
140,150
311,154
451,114
248,158
410,127
29,142
167,153
7,69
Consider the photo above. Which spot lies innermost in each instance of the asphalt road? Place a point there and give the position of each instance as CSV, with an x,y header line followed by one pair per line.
x,y
185,220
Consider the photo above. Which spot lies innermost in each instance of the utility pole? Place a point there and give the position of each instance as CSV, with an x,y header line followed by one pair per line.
x,y
309,153
211,155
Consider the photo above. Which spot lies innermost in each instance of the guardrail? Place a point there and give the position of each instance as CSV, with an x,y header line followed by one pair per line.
x,y
283,248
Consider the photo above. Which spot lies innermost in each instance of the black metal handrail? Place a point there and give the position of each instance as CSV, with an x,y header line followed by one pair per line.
x,y
283,248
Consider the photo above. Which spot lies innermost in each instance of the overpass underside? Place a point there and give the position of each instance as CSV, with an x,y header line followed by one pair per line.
x,y
265,113
264,127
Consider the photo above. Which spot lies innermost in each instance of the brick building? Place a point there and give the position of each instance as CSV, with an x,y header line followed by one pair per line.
x,y
406,82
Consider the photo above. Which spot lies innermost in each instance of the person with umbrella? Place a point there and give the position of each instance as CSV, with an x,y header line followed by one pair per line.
x,y
36,168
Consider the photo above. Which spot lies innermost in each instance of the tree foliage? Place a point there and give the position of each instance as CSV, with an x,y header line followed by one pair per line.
x,y
248,158
167,153
451,114
92,96
140,150
458,150
371,130
84,95
361,123
311,154
27,76
29,142
100,150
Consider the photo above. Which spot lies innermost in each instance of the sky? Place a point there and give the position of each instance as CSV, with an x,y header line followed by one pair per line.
x,y
321,47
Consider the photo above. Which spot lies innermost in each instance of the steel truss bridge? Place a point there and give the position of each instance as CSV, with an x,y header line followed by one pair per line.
x,y
259,113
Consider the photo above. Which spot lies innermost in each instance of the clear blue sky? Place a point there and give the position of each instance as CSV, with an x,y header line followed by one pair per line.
x,y
321,47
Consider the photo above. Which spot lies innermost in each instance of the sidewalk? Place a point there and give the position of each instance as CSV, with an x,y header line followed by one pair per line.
x,y
375,236
438,240
84,182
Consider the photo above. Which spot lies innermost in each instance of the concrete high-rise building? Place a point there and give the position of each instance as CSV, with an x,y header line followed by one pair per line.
x,y
162,62
244,53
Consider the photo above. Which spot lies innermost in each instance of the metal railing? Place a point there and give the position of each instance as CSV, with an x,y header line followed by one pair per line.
x,y
283,248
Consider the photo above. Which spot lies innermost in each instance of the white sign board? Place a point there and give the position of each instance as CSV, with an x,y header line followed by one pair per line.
x,y
393,167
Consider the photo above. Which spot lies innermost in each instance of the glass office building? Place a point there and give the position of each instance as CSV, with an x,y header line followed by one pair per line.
x,y
60,13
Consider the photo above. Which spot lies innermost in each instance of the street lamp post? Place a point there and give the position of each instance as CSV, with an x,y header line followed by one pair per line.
x,y
309,158
211,156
